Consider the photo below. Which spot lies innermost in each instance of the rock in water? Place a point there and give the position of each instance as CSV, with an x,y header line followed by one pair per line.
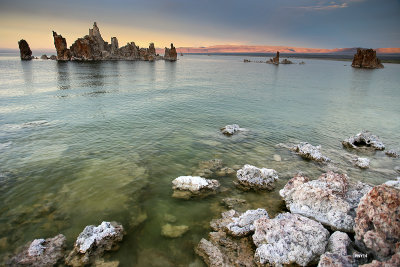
x,y
366,58
308,151
230,129
289,239
24,50
188,186
331,199
364,139
223,250
362,163
40,252
170,53
392,153
63,53
286,61
253,178
93,242
377,224
174,231
44,57
394,183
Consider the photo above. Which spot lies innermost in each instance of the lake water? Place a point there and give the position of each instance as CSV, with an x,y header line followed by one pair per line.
x,y
82,143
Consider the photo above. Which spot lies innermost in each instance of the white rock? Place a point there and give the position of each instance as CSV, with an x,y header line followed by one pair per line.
x,y
194,183
309,151
230,129
251,177
244,224
92,235
36,248
289,239
363,139
394,183
362,163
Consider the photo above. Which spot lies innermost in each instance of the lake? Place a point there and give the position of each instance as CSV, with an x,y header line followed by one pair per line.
x,y
86,142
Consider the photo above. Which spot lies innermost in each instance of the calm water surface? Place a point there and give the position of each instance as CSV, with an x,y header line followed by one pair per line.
x,y
81,143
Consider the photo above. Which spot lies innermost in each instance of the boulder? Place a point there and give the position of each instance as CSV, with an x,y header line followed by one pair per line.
x,y
53,57
308,151
394,261
329,259
253,178
331,199
366,58
190,186
238,224
174,231
93,242
230,129
63,53
223,250
377,224
289,239
41,252
394,183
337,252
392,153
170,53
362,163
24,50
364,139
44,57
233,203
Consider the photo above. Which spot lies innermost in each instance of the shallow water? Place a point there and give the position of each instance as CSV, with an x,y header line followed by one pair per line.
x,y
81,143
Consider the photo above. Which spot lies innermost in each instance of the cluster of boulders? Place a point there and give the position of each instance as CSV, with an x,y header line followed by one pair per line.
x,y
88,249
45,57
366,58
93,47
301,238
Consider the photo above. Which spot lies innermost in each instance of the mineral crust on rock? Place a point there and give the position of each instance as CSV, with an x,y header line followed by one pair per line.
x,y
289,239
24,50
170,53
362,163
41,252
392,153
253,178
331,199
366,58
364,139
377,224
188,186
230,129
308,151
93,242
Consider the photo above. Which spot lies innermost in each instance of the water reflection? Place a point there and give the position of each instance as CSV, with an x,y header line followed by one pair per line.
x,y
27,75
361,81
170,72
63,75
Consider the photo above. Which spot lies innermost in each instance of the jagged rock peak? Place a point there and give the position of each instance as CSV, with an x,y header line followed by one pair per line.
x,y
24,50
170,53
63,53
366,58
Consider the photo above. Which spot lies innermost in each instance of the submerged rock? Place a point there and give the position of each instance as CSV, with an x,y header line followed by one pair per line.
x,y
93,242
41,252
188,186
392,153
331,199
230,129
170,53
364,139
174,231
289,239
377,224
308,151
223,250
366,58
253,178
233,203
24,50
362,163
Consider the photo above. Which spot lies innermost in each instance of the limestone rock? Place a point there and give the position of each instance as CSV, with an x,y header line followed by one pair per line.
x,y
53,57
289,239
233,203
63,53
193,186
338,243
337,251
362,163
251,177
230,129
170,53
41,252
244,224
377,228
308,151
335,260
366,58
44,57
24,50
394,183
93,242
331,199
223,250
363,139
394,261
392,153
274,60
286,61
174,231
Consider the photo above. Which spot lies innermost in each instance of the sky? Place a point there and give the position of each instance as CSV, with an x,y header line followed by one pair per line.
x,y
198,23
